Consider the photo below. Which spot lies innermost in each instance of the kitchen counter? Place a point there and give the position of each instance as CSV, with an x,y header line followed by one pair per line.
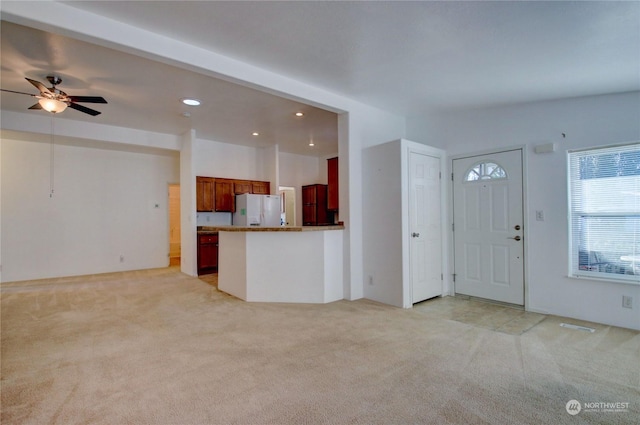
x,y
281,264
216,229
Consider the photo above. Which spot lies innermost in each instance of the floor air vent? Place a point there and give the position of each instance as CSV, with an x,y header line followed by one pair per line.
x,y
580,328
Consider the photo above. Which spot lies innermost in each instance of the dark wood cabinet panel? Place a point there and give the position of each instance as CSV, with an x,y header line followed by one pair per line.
x,y
224,198
314,205
207,253
241,186
204,194
261,188
332,186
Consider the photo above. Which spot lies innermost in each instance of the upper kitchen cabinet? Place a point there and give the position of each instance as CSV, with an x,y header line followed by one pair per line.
x,y
214,194
332,187
261,188
241,186
223,195
204,194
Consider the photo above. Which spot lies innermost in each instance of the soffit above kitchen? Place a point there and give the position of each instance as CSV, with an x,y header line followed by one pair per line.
x,y
146,95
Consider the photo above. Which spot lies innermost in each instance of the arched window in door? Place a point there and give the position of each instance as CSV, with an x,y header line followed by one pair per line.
x,y
485,171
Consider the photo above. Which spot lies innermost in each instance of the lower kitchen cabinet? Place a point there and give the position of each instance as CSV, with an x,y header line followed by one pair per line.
x,y
207,253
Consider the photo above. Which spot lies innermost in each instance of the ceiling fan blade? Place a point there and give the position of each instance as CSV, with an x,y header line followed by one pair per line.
x,y
84,109
87,99
18,92
38,85
36,106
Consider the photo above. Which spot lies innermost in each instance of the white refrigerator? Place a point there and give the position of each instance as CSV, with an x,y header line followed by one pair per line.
x,y
257,210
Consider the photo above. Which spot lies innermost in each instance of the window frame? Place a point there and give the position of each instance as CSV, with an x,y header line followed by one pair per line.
x,y
574,214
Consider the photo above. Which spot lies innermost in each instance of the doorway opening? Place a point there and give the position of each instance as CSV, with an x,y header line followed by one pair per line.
x,y
288,206
174,225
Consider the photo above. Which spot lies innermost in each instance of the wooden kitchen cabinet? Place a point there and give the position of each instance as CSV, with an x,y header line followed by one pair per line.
x,y
224,196
314,205
207,253
261,188
204,194
241,186
215,194
332,186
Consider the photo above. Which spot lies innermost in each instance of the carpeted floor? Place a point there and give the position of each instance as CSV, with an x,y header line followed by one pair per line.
x,y
159,347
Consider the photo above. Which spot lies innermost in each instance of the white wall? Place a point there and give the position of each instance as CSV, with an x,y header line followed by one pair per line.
x,y
103,206
586,122
362,127
216,159
188,238
383,224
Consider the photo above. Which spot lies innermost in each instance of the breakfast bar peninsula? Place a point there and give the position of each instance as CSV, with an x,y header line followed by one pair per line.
x,y
281,264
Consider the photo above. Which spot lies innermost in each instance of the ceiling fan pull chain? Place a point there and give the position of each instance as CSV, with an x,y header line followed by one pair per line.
x,y
51,160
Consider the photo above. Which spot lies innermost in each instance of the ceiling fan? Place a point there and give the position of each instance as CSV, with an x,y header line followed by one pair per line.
x,y
55,100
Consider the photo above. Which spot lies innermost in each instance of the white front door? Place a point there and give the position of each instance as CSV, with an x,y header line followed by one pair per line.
x,y
488,226
425,227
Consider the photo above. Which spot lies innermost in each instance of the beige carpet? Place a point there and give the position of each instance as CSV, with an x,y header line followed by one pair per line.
x,y
159,347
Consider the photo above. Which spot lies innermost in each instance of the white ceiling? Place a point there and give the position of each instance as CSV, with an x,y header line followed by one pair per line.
x,y
410,58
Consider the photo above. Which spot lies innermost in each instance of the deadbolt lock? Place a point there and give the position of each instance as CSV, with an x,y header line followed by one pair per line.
x,y
517,227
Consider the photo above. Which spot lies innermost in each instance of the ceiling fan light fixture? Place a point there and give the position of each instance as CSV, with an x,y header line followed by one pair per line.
x,y
52,105
191,102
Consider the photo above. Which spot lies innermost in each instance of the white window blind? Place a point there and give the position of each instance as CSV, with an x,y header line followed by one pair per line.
x,y
604,208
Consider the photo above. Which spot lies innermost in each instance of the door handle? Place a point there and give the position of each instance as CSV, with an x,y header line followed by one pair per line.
x,y
415,235
516,238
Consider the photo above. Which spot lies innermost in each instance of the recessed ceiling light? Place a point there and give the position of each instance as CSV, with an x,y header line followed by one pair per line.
x,y
299,114
311,143
191,102
255,133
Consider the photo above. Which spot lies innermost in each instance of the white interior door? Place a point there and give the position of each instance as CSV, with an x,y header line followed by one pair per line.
x,y
425,227
488,226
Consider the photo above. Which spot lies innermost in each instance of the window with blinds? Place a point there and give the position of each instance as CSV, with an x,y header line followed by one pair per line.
x,y
604,208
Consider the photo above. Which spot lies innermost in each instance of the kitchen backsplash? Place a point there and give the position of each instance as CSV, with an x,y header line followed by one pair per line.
x,y
213,219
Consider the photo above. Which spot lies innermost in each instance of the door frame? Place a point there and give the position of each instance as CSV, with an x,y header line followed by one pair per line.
x,y
169,184
525,213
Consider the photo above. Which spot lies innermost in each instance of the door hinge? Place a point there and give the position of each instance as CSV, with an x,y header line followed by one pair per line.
x,y
451,176
453,227
441,276
454,277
